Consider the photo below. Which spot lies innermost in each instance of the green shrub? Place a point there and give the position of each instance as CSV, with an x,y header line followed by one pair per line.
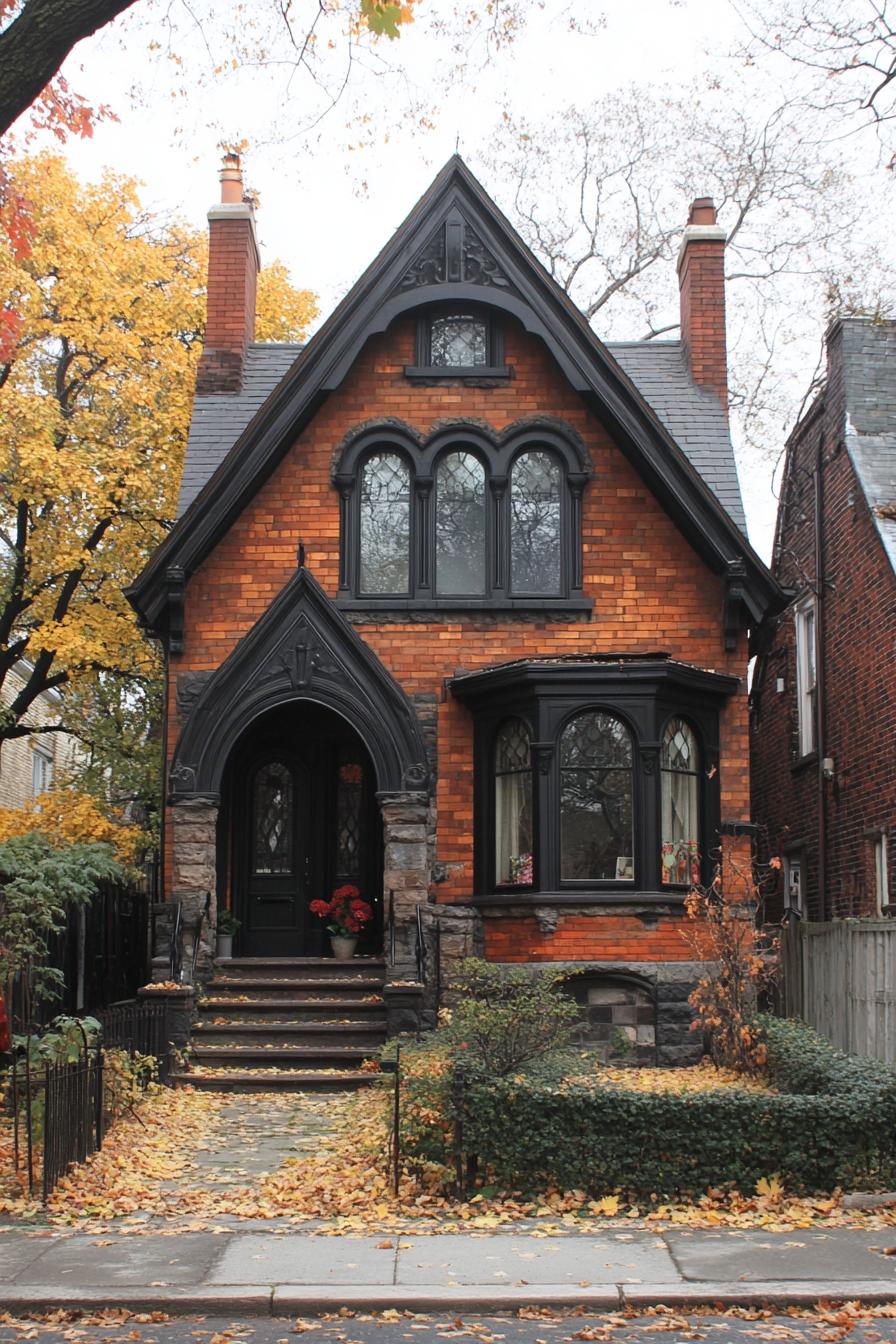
x,y
507,1016
530,1132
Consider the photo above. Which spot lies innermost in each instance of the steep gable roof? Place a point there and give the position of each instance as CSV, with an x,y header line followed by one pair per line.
x,y
455,244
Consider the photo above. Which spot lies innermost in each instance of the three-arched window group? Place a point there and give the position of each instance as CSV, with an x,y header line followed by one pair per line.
x,y
599,799
461,518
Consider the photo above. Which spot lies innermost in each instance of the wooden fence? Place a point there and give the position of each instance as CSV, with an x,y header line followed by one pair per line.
x,y
841,978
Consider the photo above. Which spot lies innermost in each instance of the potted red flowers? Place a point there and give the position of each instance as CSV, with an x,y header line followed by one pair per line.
x,y
347,914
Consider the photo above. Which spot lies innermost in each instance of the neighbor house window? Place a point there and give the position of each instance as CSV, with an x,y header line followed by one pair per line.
x,y
881,873
806,676
679,803
41,771
513,805
385,524
596,834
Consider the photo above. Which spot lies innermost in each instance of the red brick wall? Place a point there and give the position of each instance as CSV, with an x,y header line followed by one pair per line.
x,y
230,324
856,674
702,282
651,591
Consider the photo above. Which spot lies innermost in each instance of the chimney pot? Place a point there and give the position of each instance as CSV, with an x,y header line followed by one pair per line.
x,y
231,179
703,211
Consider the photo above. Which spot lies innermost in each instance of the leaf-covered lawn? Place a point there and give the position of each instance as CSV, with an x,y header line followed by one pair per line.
x,y
151,1169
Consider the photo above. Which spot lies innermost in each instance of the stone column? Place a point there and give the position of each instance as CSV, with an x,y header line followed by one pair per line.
x,y
194,828
406,872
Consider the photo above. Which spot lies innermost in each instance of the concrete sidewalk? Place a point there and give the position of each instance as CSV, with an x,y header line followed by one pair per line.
x,y
290,1273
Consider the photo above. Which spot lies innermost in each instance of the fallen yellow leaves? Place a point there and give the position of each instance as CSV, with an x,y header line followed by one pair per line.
x,y
704,1077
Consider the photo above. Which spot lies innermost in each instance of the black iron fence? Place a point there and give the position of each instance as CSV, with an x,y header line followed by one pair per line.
x,y
102,954
59,1108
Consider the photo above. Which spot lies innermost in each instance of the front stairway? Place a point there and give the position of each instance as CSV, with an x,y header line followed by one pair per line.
x,y
286,1024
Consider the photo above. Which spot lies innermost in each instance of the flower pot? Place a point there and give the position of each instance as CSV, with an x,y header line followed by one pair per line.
x,y
343,947
225,946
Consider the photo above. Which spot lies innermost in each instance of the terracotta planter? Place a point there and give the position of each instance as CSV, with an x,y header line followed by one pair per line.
x,y
343,947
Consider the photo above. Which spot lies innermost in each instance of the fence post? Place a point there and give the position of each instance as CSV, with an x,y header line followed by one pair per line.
x,y
98,1084
396,1120
49,1119
458,1092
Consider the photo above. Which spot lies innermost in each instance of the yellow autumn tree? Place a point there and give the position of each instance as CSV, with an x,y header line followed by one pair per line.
x,y
66,817
94,408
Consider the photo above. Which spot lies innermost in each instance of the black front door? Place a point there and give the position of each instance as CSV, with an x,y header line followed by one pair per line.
x,y
278,851
301,797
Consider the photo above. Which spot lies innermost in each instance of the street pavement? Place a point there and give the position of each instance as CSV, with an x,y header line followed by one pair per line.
x,y
284,1273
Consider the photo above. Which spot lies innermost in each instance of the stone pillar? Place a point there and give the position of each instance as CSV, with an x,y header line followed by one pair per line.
x,y
194,833
406,872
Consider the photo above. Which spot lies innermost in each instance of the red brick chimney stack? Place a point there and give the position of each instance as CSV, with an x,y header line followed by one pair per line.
x,y
701,282
233,266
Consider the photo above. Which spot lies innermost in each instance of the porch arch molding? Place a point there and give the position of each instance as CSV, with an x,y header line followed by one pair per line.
x,y
302,649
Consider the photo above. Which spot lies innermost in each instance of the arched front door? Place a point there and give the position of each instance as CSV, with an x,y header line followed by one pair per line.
x,y
279,856
301,797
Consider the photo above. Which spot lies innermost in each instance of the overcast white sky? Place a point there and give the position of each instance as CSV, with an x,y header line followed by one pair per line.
x,y
327,208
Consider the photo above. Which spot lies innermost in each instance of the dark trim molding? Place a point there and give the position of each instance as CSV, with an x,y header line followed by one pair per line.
x,y
300,649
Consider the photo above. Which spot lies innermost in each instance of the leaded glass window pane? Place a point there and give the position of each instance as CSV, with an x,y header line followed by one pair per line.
x,y
460,525
385,524
513,806
679,798
458,341
596,835
349,811
272,819
535,524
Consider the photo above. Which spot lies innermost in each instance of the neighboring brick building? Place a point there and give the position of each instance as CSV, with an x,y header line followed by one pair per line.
x,y
457,608
824,693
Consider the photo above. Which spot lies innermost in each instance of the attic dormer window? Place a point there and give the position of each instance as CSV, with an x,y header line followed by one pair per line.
x,y
458,340
461,342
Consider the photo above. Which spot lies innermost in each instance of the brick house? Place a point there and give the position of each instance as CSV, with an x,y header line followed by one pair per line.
x,y
824,693
457,608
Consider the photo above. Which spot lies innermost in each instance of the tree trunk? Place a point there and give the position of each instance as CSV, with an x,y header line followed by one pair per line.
x,y
34,46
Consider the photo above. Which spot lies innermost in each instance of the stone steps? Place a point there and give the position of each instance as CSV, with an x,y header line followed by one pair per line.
x,y
276,1023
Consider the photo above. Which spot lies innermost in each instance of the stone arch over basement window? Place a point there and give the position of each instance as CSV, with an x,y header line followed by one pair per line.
x,y
464,518
618,1011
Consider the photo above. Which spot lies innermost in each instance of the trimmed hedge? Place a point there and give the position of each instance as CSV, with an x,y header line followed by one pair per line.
x,y
830,1124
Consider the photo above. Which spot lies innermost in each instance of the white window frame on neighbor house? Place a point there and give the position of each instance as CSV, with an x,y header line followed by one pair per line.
x,y
881,872
41,770
794,895
805,617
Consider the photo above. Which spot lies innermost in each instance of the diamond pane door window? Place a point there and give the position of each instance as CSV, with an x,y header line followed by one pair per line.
x,y
459,341
680,820
272,812
513,806
535,524
460,525
385,524
596,826
349,829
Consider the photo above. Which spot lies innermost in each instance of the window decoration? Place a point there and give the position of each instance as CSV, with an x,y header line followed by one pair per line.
x,y
513,806
272,819
460,525
679,804
41,771
596,814
458,340
385,525
535,524
462,518
349,819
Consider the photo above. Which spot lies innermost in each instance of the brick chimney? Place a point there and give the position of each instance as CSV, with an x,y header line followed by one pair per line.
x,y
233,266
701,283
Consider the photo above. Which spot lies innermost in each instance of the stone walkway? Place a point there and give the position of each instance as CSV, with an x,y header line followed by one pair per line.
x,y
254,1140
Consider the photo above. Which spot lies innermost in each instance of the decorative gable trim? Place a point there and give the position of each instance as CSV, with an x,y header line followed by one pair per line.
x,y
302,648
467,237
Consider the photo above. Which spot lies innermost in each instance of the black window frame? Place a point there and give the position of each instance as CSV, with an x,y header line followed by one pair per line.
x,y
498,456
644,696
494,366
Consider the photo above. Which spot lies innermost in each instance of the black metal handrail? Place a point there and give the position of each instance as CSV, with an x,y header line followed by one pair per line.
x,y
204,916
421,952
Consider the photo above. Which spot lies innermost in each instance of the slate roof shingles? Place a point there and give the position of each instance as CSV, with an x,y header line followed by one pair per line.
x,y
869,381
